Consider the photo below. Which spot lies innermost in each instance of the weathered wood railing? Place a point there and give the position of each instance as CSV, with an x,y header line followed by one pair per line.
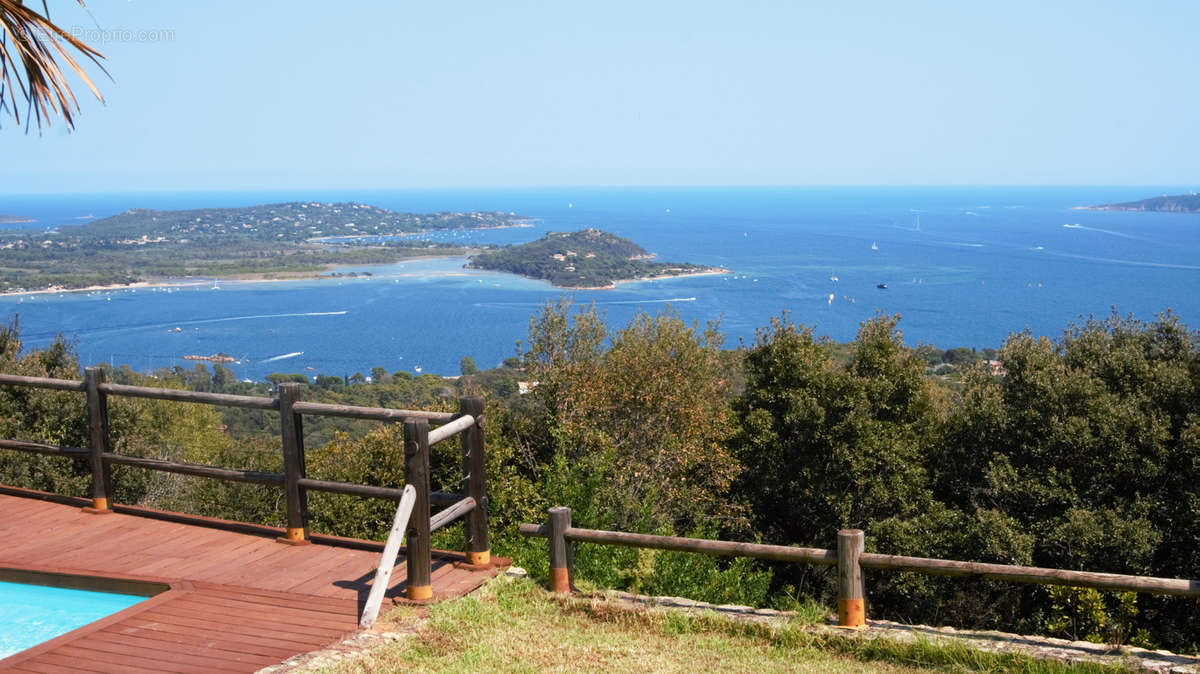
x,y
467,423
849,557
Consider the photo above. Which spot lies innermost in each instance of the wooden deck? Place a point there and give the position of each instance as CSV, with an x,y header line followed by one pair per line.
x,y
238,601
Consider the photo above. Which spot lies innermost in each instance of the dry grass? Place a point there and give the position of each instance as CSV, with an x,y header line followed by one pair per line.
x,y
518,627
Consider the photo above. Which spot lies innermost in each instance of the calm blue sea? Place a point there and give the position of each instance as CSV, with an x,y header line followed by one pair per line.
x,y
963,266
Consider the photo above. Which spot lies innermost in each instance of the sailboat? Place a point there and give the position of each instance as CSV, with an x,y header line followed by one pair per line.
x,y
874,246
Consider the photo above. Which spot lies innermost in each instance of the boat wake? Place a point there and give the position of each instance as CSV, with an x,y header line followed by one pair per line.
x,y
1132,263
665,301
1103,231
282,357
111,329
254,317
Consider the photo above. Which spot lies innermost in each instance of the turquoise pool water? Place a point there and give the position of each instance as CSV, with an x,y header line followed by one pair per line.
x,y
31,614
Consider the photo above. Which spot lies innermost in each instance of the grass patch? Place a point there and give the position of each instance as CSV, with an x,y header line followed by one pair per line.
x,y
518,627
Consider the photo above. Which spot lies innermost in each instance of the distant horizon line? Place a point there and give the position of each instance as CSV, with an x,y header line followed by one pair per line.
x,y
797,186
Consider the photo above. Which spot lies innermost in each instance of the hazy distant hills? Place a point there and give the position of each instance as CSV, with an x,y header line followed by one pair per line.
x,y
1180,203
294,222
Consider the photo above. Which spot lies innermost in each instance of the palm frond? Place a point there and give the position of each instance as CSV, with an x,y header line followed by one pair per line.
x,y
31,49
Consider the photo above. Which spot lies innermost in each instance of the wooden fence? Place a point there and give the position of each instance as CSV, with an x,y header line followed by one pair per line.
x,y
849,557
467,423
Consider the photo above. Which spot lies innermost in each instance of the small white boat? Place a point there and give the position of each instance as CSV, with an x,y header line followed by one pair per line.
x,y
834,278
874,246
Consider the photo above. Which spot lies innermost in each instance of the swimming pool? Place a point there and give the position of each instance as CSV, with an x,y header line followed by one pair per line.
x,y
31,614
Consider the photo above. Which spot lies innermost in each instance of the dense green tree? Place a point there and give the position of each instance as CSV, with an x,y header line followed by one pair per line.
x,y
222,378
278,378
329,382
636,427
825,446
1090,445
40,415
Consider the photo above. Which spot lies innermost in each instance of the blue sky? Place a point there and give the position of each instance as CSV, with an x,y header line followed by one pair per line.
x,y
231,95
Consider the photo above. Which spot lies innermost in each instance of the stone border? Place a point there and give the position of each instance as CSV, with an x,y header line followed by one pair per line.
x,y
348,649
360,643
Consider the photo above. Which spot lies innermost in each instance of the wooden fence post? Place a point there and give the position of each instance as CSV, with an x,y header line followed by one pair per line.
x,y
292,436
562,558
97,406
851,602
478,551
416,472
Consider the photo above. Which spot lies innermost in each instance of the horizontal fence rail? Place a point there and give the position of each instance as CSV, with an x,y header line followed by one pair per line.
x,y
39,448
369,413
778,553
194,469
370,491
42,382
1033,574
223,399
848,557
467,424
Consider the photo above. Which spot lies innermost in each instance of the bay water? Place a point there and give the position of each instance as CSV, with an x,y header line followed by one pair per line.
x,y
964,266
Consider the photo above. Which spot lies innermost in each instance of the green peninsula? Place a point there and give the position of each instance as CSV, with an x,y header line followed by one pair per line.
x,y
1179,203
589,258
296,238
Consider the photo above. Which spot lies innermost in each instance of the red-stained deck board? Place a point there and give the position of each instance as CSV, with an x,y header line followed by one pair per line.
x,y
239,601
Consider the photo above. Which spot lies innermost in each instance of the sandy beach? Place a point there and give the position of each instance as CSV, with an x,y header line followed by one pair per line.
x,y
277,277
716,271
327,239
190,281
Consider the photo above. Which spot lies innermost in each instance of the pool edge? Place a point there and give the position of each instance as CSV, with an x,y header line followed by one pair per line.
x,y
174,590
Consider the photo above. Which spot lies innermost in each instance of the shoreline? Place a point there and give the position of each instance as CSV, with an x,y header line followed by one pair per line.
x,y
715,271
277,277
327,240
191,281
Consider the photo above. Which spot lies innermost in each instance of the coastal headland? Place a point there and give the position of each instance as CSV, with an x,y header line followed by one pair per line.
x,y
143,248
1179,203
589,259
284,239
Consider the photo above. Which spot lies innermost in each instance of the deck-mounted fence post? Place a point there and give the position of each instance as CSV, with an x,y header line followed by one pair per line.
x,y
416,472
851,602
562,559
292,436
478,551
97,406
